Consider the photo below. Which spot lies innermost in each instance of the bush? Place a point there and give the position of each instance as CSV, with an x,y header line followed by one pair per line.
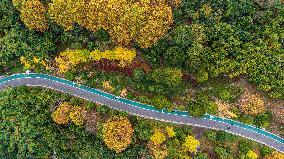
x,y
265,151
244,147
161,102
223,136
158,137
223,153
201,76
263,120
20,42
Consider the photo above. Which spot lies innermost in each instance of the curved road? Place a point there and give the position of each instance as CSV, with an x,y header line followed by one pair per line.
x,y
142,110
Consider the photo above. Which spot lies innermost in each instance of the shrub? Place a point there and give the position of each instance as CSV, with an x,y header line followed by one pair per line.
x,y
244,146
71,58
170,131
275,155
251,104
161,101
251,155
265,150
158,151
263,120
202,76
223,136
158,137
190,144
117,133
223,153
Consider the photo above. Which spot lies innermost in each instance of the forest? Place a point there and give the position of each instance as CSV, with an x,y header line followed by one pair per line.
x,y
219,57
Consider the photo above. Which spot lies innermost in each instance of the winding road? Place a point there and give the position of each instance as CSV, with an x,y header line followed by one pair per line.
x,y
143,110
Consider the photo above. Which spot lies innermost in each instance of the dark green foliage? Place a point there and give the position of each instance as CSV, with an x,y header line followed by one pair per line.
x,y
211,135
225,91
246,119
161,102
223,153
244,146
143,130
20,42
182,35
200,105
263,120
201,156
154,53
170,77
22,137
175,57
265,150
182,132
8,15
225,137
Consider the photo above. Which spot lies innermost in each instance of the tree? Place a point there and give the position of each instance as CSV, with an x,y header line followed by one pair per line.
x,y
117,133
61,114
175,57
167,76
161,102
66,13
251,104
190,144
182,35
33,14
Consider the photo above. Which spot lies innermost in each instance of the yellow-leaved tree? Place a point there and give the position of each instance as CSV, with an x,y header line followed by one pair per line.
x,y
190,144
67,12
117,133
126,21
61,114
33,14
